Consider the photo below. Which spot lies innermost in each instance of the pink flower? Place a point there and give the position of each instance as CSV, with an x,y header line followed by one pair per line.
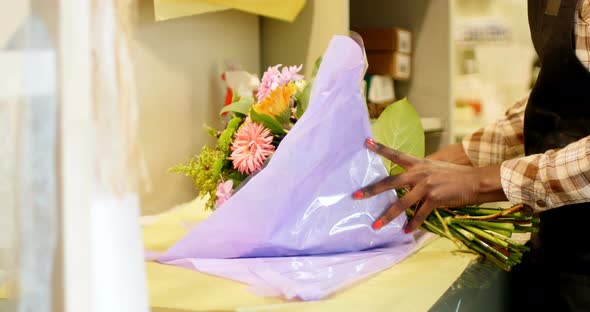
x,y
273,78
251,147
270,80
290,73
224,192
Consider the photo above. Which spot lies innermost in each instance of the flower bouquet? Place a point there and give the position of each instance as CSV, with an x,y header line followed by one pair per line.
x,y
255,128
257,124
290,226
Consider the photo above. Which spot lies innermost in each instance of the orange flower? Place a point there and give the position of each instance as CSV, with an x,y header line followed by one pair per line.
x,y
275,103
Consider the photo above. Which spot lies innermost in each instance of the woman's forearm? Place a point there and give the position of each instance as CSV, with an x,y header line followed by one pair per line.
x,y
453,153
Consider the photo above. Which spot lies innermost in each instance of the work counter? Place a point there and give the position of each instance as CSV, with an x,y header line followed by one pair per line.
x,y
437,278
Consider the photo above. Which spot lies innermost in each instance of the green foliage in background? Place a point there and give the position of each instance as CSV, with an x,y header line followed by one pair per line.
x,y
227,135
241,106
303,97
205,170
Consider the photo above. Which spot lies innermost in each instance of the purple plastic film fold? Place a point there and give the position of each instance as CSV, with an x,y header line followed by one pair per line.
x,y
294,229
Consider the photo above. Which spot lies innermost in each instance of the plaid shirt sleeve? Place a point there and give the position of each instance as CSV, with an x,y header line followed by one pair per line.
x,y
582,32
549,180
542,181
498,141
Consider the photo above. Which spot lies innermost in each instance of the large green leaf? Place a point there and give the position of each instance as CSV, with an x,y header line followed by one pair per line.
x,y
268,121
316,66
303,97
399,127
242,106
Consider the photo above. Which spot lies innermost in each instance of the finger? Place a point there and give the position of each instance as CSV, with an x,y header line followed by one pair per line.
x,y
400,206
395,156
389,183
421,214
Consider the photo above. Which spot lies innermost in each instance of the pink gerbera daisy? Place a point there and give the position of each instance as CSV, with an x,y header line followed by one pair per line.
x,y
251,147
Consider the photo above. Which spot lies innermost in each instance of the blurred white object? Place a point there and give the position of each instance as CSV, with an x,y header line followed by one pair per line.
x,y
102,160
242,82
469,101
430,124
117,248
405,41
482,29
381,89
13,76
28,127
116,243
508,67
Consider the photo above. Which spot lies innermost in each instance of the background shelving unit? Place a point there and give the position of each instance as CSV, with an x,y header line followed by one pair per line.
x,y
504,66
437,56
429,88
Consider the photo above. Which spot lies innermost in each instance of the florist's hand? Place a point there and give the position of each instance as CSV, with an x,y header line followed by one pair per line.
x,y
433,184
453,153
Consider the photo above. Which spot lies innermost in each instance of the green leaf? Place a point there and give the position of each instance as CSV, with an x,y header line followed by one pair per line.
x,y
242,106
303,100
303,97
234,96
268,121
210,131
236,176
316,67
399,127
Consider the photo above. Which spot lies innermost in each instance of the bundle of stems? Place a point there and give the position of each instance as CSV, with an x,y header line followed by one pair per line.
x,y
484,231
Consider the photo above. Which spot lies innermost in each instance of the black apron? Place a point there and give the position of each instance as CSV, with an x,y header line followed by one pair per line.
x,y
555,275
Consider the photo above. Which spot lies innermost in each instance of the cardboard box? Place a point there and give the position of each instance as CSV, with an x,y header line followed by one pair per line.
x,y
386,39
394,64
375,109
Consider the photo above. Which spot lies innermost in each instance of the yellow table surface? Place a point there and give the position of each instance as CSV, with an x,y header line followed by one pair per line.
x,y
6,290
415,284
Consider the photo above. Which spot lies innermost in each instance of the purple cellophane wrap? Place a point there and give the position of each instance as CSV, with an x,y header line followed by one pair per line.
x,y
294,230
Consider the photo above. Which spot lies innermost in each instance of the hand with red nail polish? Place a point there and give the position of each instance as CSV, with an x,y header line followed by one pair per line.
x,y
358,195
377,225
434,184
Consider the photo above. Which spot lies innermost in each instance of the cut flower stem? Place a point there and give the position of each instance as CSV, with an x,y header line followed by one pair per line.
x,y
484,231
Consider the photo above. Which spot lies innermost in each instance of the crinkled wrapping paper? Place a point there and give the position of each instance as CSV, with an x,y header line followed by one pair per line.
x,y
415,284
286,10
294,230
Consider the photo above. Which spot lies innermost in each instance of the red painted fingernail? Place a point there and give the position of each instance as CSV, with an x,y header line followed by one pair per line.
x,y
406,231
370,142
358,195
377,225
